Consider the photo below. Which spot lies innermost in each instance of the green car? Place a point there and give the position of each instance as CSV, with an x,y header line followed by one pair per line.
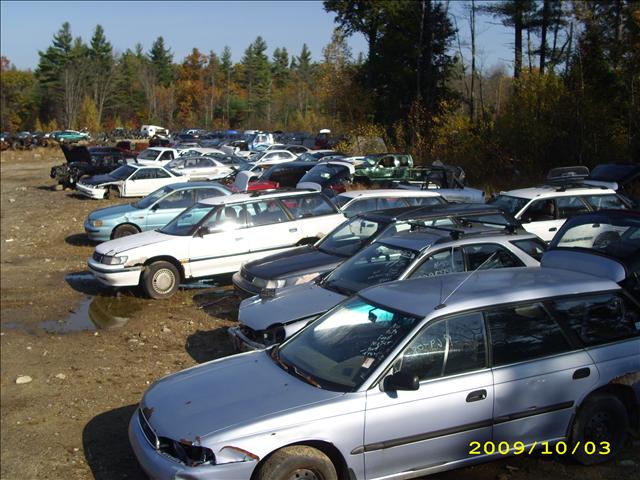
x,y
69,136
383,168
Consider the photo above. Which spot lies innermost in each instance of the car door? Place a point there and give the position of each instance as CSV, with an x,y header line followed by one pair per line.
x,y
137,184
540,218
270,228
314,216
223,246
167,208
411,431
538,373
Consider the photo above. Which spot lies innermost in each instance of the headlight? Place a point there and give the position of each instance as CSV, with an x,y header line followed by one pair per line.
x,y
299,280
96,223
268,284
229,454
108,260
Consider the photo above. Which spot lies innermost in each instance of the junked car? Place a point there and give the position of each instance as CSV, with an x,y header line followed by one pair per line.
x,y
150,213
515,357
156,156
448,180
354,202
328,176
424,252
199,168
383,168
268,276
128,181
214,237
83,162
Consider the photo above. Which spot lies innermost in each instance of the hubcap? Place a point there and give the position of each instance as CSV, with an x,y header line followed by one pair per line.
x,y
304,474
599,427
163,280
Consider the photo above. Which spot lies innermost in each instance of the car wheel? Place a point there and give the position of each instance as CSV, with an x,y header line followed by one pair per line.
x,y
298,463
124,230
160,280
601,418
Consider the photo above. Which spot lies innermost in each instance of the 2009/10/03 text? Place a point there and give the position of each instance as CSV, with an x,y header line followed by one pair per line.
x,y
546,448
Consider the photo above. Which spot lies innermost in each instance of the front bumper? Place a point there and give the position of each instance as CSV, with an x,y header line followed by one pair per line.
x,y
242,343
115,275
100,234
91,192
161,467
244,287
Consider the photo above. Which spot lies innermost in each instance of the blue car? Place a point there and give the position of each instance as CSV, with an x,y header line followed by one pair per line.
x,y
152,212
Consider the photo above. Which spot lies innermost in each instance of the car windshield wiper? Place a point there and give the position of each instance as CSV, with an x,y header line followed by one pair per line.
x,y
275,354
335,288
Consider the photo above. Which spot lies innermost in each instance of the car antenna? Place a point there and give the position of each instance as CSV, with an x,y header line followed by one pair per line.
x,y
444,302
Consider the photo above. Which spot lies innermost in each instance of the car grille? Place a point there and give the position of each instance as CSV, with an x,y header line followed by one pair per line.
x,y
98,257
251,334
149,434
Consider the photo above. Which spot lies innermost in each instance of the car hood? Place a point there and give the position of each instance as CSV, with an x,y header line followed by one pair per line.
x,y
76,153
299,260
114,211
292,304
225,393
100,180
130,242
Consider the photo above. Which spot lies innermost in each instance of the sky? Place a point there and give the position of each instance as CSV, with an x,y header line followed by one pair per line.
x,y
27,27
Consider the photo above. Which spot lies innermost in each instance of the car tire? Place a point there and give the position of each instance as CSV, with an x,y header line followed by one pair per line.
x,y
124,230
601,418
298,462
160,280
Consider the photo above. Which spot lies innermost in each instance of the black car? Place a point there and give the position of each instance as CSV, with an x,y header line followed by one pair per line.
x,y
303,264
85,161
331,177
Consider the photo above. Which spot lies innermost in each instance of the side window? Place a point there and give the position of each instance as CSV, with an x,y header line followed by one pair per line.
x,y
311,206
602,202
359,206
205,163
160,173
599,319
230,217
387,162
202,193
179,199
451,346
144,174
569,206
384,203
440,263
424,201
495,256
266,212
523,333
532,247
540,211
167,155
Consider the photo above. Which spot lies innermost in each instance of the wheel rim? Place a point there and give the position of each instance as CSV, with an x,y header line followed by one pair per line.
x,y
122,233
304,474
599,427
163,280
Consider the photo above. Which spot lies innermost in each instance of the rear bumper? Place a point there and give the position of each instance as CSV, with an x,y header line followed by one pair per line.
x,y
115,275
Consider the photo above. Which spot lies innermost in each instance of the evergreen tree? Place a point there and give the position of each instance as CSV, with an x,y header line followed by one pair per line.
x,y
162,62
102,70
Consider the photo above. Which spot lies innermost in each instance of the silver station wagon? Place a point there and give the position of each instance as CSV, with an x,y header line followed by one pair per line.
x,y
400,380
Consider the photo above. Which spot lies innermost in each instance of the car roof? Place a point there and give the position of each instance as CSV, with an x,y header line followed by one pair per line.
x,y
549,191
432,296
181,185
408,213
253,196
429,236
390,192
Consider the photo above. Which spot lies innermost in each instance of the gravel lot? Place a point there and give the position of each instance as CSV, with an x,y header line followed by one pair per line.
x,y
70,420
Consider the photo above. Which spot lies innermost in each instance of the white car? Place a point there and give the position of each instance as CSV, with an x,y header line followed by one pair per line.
x,y
214,237
199,168
156,156
543,210
272,157
129,181
199,152
357,201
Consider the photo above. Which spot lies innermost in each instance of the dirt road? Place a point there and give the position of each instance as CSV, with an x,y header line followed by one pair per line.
x,y
70,420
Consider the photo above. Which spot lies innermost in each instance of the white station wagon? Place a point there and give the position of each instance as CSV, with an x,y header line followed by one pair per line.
x,y
214,237
129,181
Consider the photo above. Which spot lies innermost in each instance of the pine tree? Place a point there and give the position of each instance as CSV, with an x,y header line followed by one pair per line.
x,y
162,62
102,70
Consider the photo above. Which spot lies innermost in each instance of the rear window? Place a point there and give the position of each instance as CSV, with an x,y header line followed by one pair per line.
x,y
605,202
511,204
323,172
532,247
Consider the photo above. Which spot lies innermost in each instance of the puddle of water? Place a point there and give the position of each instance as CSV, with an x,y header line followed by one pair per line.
x,y
92,313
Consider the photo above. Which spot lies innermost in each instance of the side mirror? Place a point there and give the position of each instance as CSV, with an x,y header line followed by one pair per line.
x,y
400,381
155,207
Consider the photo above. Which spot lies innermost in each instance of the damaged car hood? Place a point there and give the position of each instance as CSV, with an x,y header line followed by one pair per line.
x,y
298,260
76,154
120,245
100,180
292,304
225,393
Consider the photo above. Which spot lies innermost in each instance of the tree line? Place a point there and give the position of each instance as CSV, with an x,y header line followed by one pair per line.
x,y
569,97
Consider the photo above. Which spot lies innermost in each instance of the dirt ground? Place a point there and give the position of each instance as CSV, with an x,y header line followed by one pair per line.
x,y
70,420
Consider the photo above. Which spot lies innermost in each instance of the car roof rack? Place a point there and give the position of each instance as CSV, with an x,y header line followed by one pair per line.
x,y
457,233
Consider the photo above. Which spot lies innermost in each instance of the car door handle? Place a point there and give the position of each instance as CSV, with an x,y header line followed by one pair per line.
x,y
581,373
476,395
293,230
553,229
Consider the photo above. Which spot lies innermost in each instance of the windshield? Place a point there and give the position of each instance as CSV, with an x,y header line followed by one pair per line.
x,y
175,163
375,264
511,204
312,156
148,154
370,161
152,198
323,172
123,172
341,349
185,224
349,237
